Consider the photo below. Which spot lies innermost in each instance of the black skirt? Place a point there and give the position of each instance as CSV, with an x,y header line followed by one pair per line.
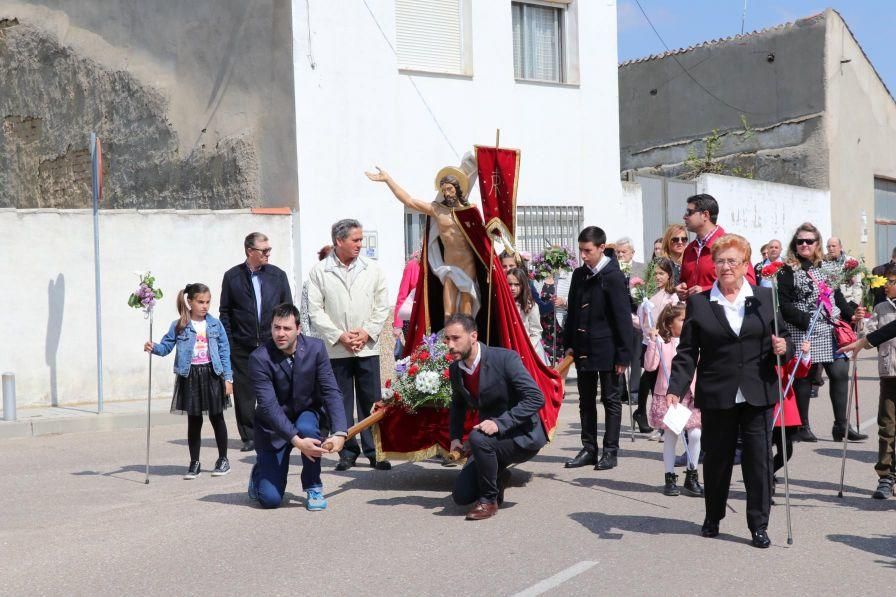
x,y
200,393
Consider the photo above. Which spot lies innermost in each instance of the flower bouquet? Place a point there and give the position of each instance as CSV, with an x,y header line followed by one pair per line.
x,y
856,270
421,379
146,295
642,289
552,261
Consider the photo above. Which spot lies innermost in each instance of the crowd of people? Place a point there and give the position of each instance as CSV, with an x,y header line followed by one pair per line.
x,y
706,346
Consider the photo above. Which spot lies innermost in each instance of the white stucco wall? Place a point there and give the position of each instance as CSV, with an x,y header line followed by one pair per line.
x,y
48,301
761,211
354,110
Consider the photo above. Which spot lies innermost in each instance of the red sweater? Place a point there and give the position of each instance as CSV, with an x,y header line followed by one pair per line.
x,y
697,268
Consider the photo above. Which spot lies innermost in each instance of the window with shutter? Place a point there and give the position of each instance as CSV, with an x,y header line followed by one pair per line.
x,y
538,41
430,35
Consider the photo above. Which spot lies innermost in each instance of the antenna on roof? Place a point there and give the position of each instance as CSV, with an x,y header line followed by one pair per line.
x,y
743,18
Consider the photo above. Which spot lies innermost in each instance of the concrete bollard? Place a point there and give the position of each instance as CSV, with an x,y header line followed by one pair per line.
x,y
9,397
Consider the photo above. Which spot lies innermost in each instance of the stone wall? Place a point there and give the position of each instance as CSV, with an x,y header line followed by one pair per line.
x,y
184,96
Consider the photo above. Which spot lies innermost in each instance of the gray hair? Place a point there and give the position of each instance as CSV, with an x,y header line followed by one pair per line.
x,y
252,238
343,228
625,241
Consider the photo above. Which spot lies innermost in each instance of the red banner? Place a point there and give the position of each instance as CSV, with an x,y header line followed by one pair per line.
x,y
498,175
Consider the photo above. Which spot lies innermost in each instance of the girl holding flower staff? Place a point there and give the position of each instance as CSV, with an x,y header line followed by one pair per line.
x,y
204,380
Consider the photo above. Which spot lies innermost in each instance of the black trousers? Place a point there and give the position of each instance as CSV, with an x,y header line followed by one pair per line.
x,y
838,386
358,377
609,395
243,394
720,429
478,480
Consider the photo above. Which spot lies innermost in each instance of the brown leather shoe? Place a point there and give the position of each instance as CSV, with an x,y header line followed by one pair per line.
x,y
482,510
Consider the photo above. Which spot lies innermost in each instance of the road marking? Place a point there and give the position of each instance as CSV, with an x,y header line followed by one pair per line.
x,y
556,580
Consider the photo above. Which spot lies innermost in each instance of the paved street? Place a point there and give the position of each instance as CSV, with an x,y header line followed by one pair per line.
x,y
77,520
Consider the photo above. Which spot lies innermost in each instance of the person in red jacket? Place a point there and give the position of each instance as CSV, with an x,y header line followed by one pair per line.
x,y
697,269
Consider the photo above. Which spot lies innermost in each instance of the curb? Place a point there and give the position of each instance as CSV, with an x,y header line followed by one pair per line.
x,y
36,426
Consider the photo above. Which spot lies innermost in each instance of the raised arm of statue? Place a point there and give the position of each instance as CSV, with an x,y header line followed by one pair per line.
x,y
416,204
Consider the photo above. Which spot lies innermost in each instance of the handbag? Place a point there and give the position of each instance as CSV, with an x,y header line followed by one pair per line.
x,y
843,333
404,311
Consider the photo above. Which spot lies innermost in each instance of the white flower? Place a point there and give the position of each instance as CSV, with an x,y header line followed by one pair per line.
x,y
427,382
388,393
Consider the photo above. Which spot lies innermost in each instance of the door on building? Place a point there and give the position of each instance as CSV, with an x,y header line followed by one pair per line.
x,y
663,201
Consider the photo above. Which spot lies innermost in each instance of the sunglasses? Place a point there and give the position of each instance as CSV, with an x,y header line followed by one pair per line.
x,y
690,212
805,241
679,239
262,251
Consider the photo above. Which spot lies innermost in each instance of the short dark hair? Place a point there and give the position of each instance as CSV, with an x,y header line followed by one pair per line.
x,y
706,202
463,320
284,310
593,234
251,239
890,269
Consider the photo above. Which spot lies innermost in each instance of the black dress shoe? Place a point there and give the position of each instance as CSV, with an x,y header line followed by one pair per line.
x,y
710,528
380,465
805,435
606,462
853,435
583,458
641,420
248,446
761,540
345,463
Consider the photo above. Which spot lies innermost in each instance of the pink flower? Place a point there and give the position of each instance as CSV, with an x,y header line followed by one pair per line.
x,y
635,282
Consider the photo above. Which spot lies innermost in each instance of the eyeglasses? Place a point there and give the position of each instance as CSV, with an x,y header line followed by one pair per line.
x,y
679,239
805,241
891,282
689,212
262,251
728,262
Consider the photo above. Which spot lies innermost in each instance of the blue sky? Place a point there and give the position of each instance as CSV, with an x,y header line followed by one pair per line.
x,y
682,23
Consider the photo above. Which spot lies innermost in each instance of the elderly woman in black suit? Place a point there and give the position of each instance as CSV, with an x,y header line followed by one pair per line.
x,y
728,341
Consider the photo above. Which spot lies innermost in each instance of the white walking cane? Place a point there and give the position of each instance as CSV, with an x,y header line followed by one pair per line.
x,y
781,393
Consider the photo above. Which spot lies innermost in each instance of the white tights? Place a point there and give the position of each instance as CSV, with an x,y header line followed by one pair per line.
x,y
670,442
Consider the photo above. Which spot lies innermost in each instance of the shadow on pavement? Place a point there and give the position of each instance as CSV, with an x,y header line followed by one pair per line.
x,y
881,545
241,498
159,470
865,456
604,525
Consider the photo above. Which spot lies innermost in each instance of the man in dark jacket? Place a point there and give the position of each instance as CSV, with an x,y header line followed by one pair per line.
x,y
509,431
298,398
249,293
598,334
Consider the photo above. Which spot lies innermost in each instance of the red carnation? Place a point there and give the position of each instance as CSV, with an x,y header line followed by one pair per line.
x,y
771,270
851,264
445,374
424,356
413,370
389,383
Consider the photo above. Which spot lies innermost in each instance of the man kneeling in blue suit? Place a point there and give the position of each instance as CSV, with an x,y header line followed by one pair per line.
x,y
298,399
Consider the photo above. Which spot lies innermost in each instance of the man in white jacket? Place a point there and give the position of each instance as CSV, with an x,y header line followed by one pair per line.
x,y
348,305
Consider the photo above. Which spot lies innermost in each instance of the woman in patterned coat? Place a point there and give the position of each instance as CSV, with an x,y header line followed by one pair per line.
x,y
799,290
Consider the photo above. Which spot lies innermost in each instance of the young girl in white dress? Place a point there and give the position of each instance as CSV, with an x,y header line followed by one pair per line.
x,y
519,288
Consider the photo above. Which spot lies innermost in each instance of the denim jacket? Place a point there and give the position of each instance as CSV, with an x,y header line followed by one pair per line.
x,y
218,347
